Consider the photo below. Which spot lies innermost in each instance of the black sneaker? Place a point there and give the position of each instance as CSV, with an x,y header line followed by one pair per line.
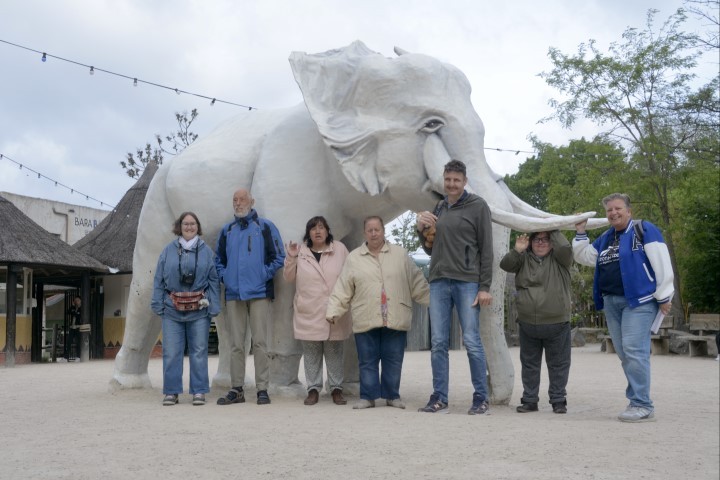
x,y
527,408
479,406
235,395
560,407
263,397
434,405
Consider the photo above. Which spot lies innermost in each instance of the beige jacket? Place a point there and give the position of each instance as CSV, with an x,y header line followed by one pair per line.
x,y
361,282
314,282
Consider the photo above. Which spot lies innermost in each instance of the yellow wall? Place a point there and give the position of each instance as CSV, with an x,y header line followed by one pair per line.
x,y
23,332
113,330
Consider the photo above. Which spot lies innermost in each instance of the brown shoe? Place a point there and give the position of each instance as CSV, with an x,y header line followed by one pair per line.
x,y
312,398
338,398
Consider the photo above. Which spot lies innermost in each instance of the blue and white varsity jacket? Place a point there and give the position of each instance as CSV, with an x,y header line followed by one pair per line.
x,y
644,265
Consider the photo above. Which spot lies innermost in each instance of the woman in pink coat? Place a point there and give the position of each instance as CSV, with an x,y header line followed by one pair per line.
x,y
314,267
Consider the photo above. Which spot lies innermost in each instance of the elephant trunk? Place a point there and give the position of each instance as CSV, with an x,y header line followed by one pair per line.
x,y
513,213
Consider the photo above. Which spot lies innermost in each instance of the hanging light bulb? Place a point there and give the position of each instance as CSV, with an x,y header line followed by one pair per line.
x,y
134,82
177,91
92,70
212,103
38,175
44,57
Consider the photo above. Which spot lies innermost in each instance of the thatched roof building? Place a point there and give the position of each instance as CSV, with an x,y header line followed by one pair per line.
x,y
113,240
25,243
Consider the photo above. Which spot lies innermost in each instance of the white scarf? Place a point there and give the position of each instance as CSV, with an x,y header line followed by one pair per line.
x,y
189,244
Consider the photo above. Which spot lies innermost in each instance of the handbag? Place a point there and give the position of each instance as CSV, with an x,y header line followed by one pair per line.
x,y
187,301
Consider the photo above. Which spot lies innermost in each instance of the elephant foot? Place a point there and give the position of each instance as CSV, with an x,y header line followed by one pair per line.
x,y
284,370
500,392
349,388
296,390
222,379
123,381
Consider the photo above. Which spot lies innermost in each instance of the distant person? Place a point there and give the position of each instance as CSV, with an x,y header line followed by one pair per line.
x,y
249,252
378,284
315,266
75,313
541,264
186,266
461,256
633,279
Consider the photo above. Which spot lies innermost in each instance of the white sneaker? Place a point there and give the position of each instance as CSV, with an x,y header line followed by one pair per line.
x,y
634,414
395,402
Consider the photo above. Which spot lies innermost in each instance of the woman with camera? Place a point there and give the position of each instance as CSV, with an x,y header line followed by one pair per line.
x,y
186,294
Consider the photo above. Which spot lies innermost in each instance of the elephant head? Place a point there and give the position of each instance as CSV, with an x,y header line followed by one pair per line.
x,y
393,123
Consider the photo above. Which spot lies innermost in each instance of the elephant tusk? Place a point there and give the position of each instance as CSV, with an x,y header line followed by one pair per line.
x,y
524,223
523,208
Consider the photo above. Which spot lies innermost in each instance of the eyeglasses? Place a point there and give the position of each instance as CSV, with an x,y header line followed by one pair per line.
x,y
189,224
541,240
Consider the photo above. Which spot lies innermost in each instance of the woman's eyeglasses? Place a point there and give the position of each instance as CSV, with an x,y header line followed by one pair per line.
x,y
541,240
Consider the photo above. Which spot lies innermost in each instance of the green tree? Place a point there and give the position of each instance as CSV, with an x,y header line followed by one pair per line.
x,y
404,233
697,227
642,92
177,141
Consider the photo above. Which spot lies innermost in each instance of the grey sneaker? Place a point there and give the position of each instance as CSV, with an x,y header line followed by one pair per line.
x,y
198,399
434,405
363,404
634,414
170,400
479,406
396,402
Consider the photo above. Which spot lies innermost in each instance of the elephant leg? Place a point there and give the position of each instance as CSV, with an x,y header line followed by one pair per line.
x,y
142,327
222,377
285,352
501,374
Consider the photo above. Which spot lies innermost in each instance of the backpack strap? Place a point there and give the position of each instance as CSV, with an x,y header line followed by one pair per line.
x,y
639,232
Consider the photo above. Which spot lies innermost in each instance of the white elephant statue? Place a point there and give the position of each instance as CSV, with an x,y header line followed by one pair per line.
x,y
372,137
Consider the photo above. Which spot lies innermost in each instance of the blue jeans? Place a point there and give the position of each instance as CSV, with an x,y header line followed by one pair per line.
x,y
376,346
173,349
444,294
630,332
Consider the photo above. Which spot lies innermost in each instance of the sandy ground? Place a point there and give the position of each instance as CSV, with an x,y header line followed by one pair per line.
x,y
60,421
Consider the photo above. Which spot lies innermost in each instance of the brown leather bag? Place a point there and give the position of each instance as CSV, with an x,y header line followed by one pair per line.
x,y
187,301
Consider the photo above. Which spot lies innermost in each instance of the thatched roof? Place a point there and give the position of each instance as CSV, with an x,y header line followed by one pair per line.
x,y
113,240
25,243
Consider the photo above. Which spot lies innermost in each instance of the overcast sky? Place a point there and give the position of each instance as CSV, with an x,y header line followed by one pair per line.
x,y
75,128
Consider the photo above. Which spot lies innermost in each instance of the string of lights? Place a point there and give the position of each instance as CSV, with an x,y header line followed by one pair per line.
x,y
135,80
57,183
213,100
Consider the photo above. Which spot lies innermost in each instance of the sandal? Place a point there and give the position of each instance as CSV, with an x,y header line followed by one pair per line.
x,y
170,400
233,396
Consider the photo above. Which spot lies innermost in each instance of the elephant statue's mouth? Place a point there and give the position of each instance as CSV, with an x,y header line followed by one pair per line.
x,y
429,188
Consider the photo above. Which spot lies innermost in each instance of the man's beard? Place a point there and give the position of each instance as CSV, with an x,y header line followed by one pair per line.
x,y
244,212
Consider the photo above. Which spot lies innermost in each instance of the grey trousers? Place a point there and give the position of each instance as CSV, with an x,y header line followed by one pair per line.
x,y
554,339
313,352
240,314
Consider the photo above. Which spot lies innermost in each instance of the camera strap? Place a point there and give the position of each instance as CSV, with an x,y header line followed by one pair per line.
x,y
180,250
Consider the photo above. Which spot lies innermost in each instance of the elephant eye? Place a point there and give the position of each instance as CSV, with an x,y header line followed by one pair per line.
x,y
432,126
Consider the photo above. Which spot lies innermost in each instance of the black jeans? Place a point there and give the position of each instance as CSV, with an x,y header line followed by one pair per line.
x,y
555,340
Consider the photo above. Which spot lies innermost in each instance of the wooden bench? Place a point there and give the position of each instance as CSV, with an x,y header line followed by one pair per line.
x,y
660,341
703,327
606,342
698,344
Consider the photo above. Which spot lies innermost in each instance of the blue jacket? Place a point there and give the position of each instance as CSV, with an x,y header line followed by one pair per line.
x,y
174,259
644,266
249,252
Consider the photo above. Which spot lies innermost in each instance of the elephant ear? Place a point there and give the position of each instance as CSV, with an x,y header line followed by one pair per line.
x,y
329,84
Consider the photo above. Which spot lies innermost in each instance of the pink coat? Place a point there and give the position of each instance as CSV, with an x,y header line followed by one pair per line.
x,y
314,283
